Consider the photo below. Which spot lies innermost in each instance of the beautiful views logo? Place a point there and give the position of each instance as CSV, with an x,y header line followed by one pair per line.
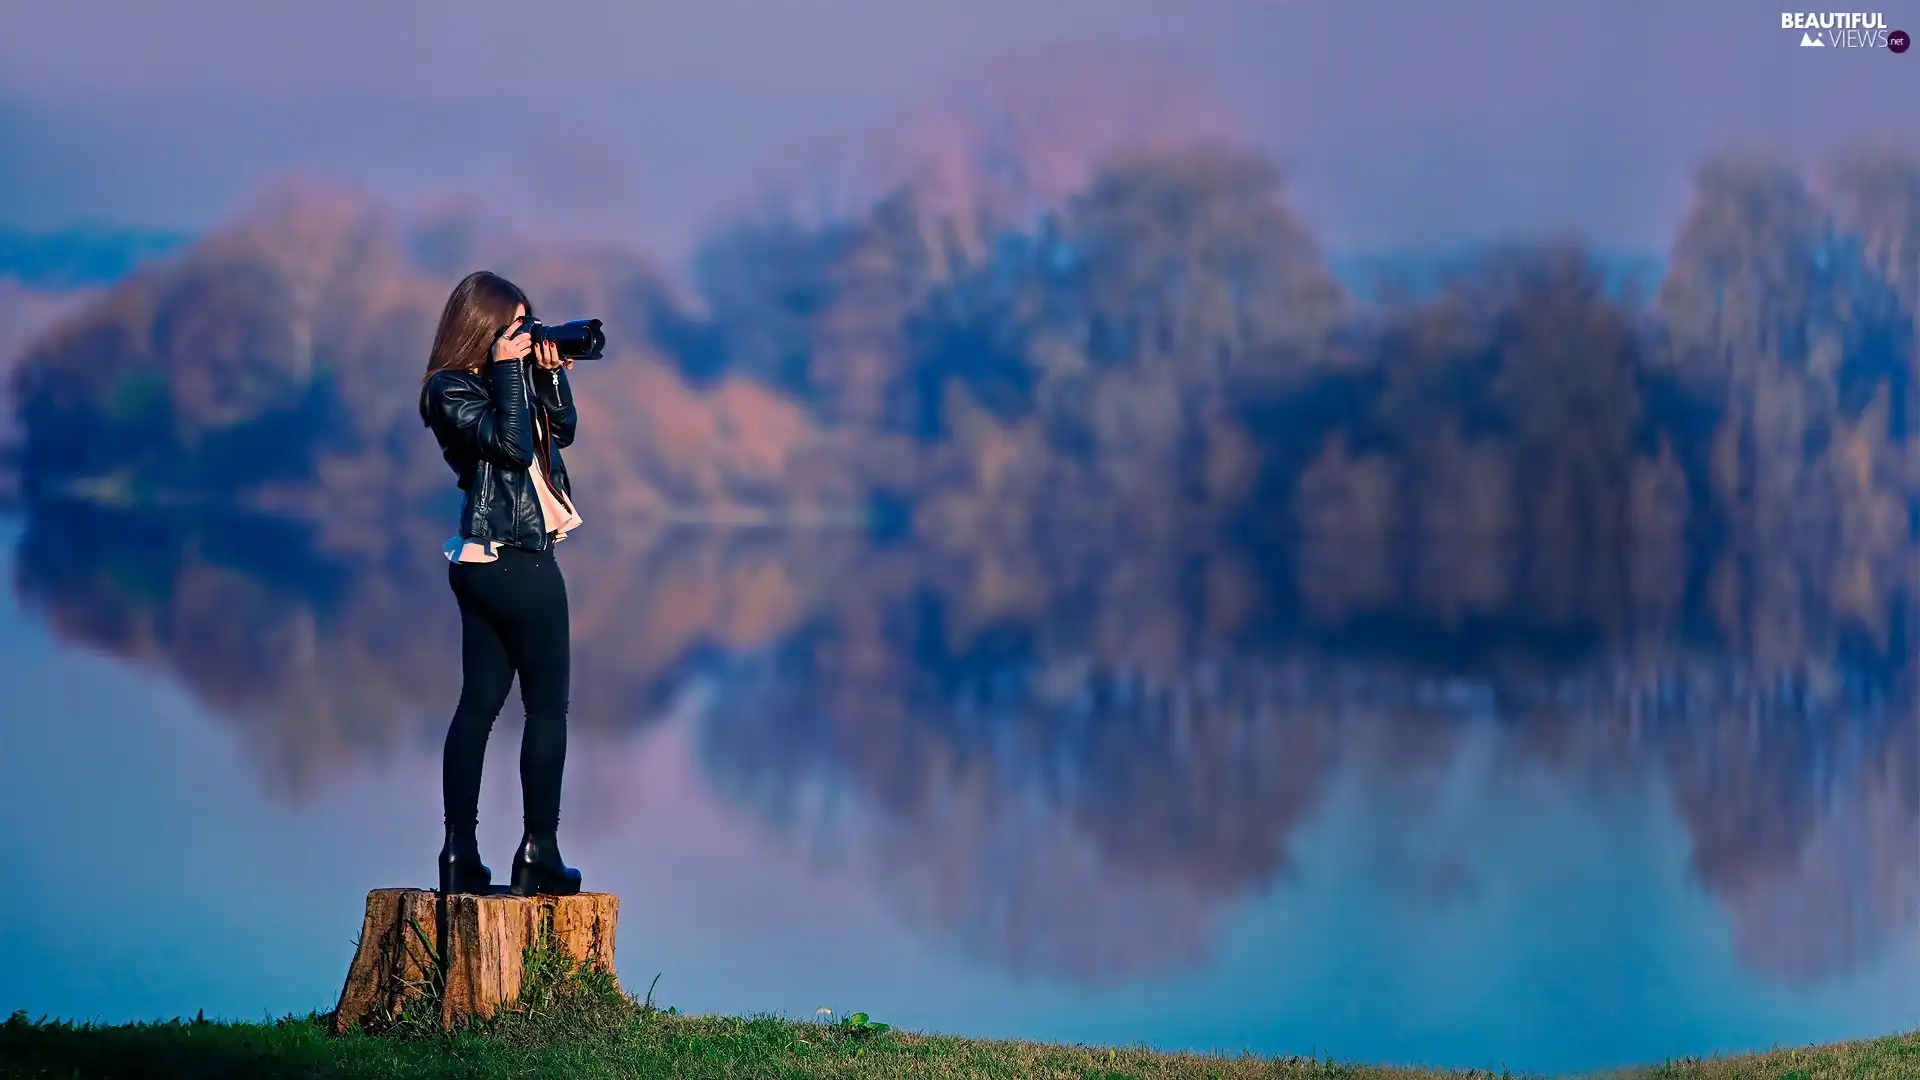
x,y
1845,30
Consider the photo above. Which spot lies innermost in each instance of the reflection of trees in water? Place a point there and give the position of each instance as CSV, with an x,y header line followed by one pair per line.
x,y
1026,796
1073,761
324,663
331,652
1056,816
1069,759
1803,802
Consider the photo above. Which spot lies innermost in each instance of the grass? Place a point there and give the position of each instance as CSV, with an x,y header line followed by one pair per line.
x,y
575,1023
632,1040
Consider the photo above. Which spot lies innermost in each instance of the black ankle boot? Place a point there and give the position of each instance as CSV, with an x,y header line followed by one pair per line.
x,y
537,868
461,870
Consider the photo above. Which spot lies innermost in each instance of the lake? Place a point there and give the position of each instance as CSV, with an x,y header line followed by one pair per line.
x,y
824,773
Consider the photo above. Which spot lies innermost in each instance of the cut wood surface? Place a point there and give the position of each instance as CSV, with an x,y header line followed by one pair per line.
x,y
400,964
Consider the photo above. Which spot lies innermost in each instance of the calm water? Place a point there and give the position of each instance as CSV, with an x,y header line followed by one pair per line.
x,y
926,787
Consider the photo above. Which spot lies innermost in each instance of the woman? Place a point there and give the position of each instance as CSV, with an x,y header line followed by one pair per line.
x,y
502,410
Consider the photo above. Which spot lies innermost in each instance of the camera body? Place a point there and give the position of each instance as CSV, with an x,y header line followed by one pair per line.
x,y
581,339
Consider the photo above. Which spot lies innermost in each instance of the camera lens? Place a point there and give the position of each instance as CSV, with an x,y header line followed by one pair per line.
x,y
578,340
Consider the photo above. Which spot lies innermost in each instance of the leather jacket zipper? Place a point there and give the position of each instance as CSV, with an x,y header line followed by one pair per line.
x,y
543,435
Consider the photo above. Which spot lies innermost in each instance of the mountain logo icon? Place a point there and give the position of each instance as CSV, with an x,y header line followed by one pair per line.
x,y
1809,41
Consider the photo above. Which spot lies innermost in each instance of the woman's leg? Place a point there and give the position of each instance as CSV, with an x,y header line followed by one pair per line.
x,y
544,660
525,599
486,674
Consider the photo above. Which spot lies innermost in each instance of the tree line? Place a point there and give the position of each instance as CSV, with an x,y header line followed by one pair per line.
x,y
1164,355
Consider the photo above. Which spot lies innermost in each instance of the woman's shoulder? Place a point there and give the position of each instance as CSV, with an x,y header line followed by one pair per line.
x,y
455,383
450,392
455,377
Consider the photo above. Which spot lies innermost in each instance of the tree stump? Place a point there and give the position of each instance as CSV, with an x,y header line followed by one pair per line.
x,y
401,966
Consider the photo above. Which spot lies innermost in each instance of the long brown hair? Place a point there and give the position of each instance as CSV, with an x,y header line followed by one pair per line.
x,y
478,309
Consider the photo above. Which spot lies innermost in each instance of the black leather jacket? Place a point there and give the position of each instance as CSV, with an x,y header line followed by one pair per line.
x,y
491,426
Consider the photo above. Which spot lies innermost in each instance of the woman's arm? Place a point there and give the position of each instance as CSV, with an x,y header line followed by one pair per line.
x,y
496,428
557,395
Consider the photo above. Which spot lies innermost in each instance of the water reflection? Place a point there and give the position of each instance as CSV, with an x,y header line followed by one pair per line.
x,y
1080,781
330,652
1058,814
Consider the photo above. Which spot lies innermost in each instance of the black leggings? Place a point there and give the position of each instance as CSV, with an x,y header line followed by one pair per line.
x,y
513,618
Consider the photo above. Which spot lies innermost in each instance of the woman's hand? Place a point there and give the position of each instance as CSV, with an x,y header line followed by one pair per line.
x,y
512,347
547,355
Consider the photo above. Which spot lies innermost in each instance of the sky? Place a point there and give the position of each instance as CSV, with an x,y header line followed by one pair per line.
x,y
1404,125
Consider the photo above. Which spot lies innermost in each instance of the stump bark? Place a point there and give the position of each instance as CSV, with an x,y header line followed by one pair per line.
x,y
401,964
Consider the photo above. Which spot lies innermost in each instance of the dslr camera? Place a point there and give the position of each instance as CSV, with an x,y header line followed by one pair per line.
x,y
581,339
